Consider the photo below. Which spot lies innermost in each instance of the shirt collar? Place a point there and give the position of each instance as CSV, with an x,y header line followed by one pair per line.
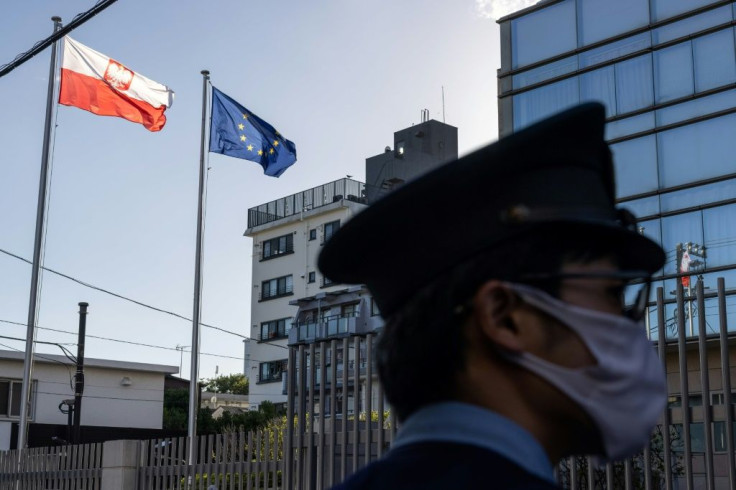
x,y
469,424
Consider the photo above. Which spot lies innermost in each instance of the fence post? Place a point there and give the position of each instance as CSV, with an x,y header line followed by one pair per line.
x,y
120,465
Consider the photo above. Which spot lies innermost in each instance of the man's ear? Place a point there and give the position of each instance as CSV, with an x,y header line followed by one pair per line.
x,y
494,308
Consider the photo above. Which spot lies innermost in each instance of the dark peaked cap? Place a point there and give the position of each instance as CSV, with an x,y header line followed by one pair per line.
x,y
555,174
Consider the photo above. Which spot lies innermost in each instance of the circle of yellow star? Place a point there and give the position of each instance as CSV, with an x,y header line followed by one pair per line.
x,y
241,126
242,137
245,116
260,152
275,143
250,147
271,151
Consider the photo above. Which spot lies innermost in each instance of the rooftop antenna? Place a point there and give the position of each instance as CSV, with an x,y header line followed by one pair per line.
x,y
425,115
443,103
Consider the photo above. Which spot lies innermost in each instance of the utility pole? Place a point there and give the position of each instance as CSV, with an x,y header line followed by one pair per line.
x,y
79,375
686,263
181,348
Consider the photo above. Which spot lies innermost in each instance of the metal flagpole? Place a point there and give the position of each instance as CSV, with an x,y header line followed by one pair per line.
x,y
25,392
193,384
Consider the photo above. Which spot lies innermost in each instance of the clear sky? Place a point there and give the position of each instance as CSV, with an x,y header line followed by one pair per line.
x,y
337,77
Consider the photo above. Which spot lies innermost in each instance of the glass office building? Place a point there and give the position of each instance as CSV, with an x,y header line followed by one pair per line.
x,y
666,72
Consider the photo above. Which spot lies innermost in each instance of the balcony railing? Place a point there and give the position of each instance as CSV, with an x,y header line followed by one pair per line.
x,y
322,195
330,326
328,374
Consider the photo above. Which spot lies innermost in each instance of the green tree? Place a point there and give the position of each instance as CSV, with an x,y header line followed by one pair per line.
x,y
236,384
176,412
176,405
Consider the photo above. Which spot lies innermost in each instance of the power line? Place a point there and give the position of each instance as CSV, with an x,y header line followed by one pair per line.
x,y
126,342
66,352
78,20
120,296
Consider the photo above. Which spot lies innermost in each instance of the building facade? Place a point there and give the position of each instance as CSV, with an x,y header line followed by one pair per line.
x,y
288,234
117,394
417,149
666,72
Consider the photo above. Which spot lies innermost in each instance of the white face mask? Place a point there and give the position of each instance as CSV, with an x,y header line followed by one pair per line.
x,y
624,393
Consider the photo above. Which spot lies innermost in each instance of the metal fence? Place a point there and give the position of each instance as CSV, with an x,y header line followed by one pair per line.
x,y
315,197
241,460
62,467
341,419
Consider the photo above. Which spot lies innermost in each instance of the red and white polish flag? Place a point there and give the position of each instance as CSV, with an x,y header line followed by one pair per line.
x,y
99,84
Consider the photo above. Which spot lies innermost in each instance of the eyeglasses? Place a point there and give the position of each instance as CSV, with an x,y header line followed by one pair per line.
x,y
637,285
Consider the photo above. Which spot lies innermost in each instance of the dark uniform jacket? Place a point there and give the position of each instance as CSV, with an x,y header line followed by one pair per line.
x,y
442,466
452,445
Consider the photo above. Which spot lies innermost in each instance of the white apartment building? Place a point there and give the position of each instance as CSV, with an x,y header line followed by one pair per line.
x,y
288,234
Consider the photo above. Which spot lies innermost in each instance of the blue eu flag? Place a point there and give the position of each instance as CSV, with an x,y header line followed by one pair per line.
x,y
237,132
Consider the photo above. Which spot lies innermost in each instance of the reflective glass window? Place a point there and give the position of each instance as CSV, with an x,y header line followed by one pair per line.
x,y
545,72
691,25
698,107
664,9
696,196
681,228
720,235
712,318
634,84
541,102
601,19
673,72
697,151
715,60
647,206
614,50
635,162
600,85
719,436
543,34
629,125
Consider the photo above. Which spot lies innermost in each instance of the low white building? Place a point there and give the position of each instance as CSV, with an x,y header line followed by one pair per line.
x,y
116,393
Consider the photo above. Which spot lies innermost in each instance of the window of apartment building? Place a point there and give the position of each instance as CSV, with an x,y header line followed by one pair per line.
x,y
312,277
326,281
374,308
270,372
10,398
349,310
313,234
330,229
697,438
274,288
275,329
720,398
278,246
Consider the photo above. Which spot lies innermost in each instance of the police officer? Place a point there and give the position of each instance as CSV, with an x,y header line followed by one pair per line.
x,y
513,292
